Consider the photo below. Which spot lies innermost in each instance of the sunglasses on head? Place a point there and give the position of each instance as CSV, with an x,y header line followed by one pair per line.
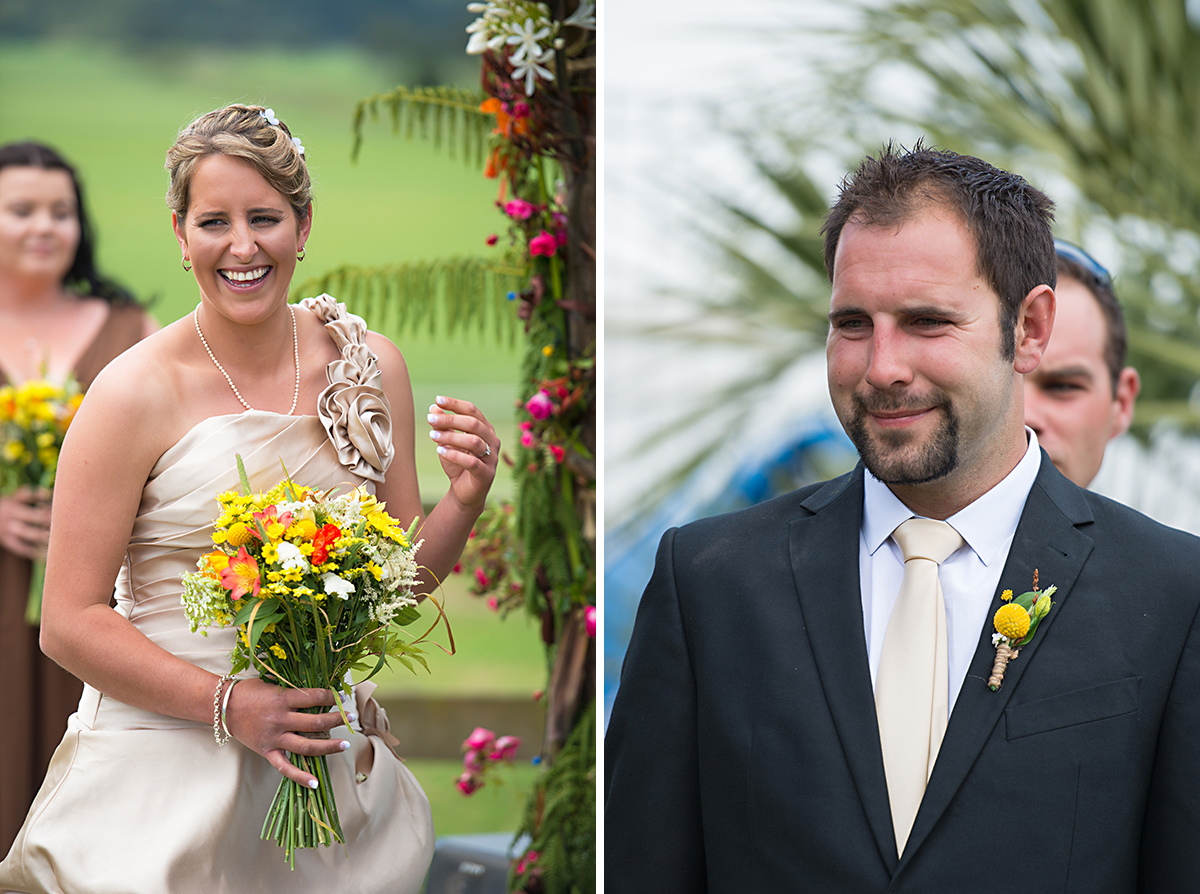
x,y
1083,259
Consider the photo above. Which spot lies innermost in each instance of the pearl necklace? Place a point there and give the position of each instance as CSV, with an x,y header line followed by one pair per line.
x,y
217,363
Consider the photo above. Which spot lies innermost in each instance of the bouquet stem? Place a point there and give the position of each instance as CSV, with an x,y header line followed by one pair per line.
x,y
37,583
301,816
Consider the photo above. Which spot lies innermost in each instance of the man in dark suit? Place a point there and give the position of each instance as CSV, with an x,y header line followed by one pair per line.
x,y
744,748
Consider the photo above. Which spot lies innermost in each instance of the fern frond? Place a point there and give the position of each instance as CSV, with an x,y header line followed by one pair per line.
x,y
449,294
560,816
445,114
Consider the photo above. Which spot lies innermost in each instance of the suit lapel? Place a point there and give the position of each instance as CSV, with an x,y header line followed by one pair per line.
x,y
824,556
1047,538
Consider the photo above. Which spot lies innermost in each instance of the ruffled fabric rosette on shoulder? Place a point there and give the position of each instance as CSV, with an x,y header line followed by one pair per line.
x,y
353,408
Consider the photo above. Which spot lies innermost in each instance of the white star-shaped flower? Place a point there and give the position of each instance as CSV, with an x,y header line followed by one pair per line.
x,y
527,38
530,71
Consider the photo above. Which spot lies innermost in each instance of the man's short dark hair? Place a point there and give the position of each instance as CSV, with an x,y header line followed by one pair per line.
x,y
1008,219
1116,340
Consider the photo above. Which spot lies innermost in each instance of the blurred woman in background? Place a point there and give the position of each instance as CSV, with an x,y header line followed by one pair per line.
x,y
58,318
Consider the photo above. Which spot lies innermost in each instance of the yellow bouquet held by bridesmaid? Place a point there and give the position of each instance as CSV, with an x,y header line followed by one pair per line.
x,y
318,586
34,418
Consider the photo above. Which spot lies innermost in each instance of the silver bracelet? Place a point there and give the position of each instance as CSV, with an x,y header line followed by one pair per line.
x,y
224,708
220,733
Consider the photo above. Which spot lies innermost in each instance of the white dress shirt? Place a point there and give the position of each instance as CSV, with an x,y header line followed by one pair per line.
x,y
969,576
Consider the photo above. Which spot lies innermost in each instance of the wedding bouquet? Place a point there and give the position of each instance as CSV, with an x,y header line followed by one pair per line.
x,y
33,420
316,585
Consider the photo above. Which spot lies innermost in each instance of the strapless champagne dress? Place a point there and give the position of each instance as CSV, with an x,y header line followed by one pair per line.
x,y
141,803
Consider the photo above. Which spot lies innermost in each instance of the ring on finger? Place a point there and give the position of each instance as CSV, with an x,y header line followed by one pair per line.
x,y
487,451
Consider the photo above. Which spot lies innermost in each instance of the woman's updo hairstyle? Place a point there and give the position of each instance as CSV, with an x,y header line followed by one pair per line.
x,y
244,132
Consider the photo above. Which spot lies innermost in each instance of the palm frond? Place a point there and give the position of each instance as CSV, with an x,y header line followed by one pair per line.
x,y
450,295
448,115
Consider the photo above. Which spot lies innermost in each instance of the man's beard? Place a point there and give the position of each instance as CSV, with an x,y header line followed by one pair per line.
x,y
884,455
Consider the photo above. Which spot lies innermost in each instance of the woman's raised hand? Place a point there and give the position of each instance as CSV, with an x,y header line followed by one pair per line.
x,y
25,522
265,718
468,448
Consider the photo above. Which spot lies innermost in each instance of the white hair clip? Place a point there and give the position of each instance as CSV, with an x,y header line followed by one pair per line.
x,y
299,145
269,117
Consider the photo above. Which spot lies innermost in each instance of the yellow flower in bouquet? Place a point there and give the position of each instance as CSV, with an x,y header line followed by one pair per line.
x,y
318,586
34,418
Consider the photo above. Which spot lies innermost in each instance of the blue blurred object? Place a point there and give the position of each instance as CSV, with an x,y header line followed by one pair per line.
x,y
814,450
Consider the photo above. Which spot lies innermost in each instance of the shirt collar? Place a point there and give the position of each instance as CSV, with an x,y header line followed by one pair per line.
x,y
987,525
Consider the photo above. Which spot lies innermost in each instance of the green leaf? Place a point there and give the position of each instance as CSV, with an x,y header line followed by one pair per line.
x,y
406,616
247,604
242,476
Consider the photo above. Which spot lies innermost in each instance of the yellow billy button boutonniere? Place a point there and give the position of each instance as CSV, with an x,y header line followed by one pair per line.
x,y
1016,621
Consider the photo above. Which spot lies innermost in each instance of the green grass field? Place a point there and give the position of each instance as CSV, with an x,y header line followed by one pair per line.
x,y
114,118
497,807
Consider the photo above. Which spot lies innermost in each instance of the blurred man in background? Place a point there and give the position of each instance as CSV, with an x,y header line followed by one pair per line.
x,y
1081,396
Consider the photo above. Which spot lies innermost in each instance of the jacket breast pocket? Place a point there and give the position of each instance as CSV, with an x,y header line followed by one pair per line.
x,y
1100,702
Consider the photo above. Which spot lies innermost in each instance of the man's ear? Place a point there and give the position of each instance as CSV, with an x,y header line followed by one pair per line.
x,y
1124,396
1035,320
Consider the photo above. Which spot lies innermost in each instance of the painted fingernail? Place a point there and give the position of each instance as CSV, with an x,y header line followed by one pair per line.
x,y
441,450
442,400
433,417
312,783
351,716
435,434
344,745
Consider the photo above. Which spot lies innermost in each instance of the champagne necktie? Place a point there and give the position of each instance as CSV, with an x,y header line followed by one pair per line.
x,y
911,689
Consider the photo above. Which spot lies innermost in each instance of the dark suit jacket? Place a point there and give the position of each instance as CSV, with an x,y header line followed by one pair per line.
x,y
742,754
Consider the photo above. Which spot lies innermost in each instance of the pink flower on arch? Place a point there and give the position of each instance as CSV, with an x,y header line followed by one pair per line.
x,y
479,739
589,620
543,244
527,861
519,209
505,748
467,784
481,576
527,439
473,761
558,452
540,406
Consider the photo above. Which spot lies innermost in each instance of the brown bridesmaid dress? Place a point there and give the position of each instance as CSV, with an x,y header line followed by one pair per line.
x,y
39,695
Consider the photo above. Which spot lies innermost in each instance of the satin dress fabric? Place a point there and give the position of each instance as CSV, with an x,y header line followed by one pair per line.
x,y
136,801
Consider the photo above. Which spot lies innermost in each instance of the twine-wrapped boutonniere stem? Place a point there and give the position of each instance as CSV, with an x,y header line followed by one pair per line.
x,y
1016,621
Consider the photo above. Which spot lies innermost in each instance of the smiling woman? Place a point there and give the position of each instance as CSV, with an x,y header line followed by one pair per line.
x,y
305,388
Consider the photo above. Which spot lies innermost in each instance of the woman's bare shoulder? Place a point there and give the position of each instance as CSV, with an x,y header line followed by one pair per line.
x,y
144,389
